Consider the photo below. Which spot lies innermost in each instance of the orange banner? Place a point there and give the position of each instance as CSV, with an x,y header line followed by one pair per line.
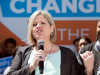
x,y
67,31
6,33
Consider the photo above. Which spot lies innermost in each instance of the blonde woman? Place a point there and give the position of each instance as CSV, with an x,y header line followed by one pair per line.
x,y
57,60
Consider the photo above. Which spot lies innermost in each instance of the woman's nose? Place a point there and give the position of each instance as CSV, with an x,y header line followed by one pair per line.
x,y
38,24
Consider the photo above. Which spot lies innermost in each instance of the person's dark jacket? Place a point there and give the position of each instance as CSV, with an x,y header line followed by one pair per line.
x,y
20,66
90,47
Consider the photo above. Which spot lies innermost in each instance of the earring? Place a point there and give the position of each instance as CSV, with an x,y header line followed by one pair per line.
x,y
51,34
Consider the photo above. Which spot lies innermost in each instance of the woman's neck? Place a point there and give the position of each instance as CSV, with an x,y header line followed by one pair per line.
x,y
48,45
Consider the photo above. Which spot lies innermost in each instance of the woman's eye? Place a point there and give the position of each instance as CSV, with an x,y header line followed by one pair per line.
x,y
43,23
34,24
80,45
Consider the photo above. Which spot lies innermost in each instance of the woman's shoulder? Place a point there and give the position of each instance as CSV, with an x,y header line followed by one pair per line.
x,y
26,47
23,49
66,50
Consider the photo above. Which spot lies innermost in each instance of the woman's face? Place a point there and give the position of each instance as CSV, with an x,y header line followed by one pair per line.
x,y
41,28
82,43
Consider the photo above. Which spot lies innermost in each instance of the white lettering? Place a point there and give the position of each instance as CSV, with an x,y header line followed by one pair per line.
x,y
30,5
90,6
12,6
73,6
77,34
54,7
3,63
70,34
82,34
98,6
61,33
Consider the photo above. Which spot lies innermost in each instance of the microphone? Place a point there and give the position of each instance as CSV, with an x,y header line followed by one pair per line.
x,y
41,63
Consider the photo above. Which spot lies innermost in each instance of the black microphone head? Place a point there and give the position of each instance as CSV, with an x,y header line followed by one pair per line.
x,y
40,42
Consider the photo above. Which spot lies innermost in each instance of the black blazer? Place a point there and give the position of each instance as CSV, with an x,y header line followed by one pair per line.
x,y
19,66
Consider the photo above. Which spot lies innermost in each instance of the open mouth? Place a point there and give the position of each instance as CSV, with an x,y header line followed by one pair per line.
x,y
38,31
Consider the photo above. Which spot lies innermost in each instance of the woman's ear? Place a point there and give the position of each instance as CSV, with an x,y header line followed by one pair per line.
x,y
52,28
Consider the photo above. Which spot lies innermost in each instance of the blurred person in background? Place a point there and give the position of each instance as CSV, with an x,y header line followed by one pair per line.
x,y
1,55
14,53
75,42
9,46
83,41
0,46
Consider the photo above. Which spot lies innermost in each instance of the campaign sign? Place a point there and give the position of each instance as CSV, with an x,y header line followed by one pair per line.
x,y
58,8
5,62
73,18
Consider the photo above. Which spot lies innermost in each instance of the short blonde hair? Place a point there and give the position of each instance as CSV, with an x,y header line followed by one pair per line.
x,y
47,15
